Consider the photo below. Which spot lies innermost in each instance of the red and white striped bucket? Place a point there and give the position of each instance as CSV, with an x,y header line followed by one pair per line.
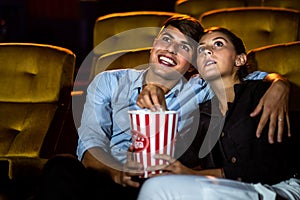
x,y
153,133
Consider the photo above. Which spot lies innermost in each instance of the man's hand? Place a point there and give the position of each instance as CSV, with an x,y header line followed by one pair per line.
x,y
274,104
152,97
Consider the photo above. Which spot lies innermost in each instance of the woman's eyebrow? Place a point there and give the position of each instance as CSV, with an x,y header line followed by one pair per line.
x,y
220,38
217,38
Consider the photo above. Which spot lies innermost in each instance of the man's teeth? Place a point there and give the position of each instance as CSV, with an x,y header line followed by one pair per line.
x,y
167,60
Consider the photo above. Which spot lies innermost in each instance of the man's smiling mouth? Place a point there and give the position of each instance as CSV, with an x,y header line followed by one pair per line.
x,y
166,61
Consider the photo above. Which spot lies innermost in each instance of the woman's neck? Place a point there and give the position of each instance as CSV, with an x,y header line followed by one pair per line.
x,y
224,91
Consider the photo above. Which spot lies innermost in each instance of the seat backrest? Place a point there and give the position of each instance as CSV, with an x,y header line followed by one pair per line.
x,y
122,31
135,58
258,26
293,4
127,30
196,7
283,59
35,85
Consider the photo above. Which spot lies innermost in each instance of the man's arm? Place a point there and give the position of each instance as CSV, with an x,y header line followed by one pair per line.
x,y
274,107
94,144
94,159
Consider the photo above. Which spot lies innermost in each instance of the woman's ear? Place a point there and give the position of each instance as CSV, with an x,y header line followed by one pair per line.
x,y
191,69
240,60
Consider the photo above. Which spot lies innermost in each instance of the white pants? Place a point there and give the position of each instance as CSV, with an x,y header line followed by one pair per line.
x,y
175,187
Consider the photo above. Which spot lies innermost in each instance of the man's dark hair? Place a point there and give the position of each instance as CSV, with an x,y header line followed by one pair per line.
x,y
187,25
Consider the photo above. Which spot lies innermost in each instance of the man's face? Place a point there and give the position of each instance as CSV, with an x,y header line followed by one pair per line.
x,y
171,54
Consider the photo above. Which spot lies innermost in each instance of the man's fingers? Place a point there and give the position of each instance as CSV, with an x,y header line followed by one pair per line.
x,y
146,100
280,128
262,122
282,122
155,98
258,109
272,127
152,98
288,124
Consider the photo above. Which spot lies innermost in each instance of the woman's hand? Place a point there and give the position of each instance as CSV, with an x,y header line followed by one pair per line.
x,y
172,166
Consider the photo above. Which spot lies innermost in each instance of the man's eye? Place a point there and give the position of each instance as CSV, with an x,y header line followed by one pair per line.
x,y
185,47
218,44
167,39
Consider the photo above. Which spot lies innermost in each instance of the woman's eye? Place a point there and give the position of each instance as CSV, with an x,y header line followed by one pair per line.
x,y
201,49
218,44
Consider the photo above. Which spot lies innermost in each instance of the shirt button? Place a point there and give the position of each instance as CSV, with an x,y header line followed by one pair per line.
x,y
222,134
233,159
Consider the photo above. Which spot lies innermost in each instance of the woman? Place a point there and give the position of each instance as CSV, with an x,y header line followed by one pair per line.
x,y
237,154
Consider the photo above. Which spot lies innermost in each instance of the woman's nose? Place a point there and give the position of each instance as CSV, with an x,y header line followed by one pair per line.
x,y
208,50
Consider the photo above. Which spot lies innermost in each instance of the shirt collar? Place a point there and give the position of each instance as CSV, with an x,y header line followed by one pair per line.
x,y
138,84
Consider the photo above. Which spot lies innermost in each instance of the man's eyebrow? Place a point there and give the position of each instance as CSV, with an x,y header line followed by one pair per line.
x,y
167,33
186,42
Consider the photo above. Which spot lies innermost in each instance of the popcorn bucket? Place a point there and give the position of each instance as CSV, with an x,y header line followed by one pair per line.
x,y
153,133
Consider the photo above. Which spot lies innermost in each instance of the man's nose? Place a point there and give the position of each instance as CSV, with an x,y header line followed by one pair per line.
x,y
173,48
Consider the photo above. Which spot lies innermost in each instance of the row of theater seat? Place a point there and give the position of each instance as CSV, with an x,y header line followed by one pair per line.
x,y
117,33
196,8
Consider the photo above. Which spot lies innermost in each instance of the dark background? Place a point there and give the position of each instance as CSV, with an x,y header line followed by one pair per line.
x,y
65,23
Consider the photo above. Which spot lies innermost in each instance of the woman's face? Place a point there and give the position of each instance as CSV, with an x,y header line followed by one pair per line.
x,y
216,56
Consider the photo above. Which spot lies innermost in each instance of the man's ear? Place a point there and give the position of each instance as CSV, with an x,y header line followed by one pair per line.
x,y
153,44
240,60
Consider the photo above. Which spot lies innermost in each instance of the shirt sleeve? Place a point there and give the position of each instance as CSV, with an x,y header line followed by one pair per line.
x,y
256,75
96,120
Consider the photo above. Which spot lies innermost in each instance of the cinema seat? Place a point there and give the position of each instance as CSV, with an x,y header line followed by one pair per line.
x,y
197,7
258,26
35,86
